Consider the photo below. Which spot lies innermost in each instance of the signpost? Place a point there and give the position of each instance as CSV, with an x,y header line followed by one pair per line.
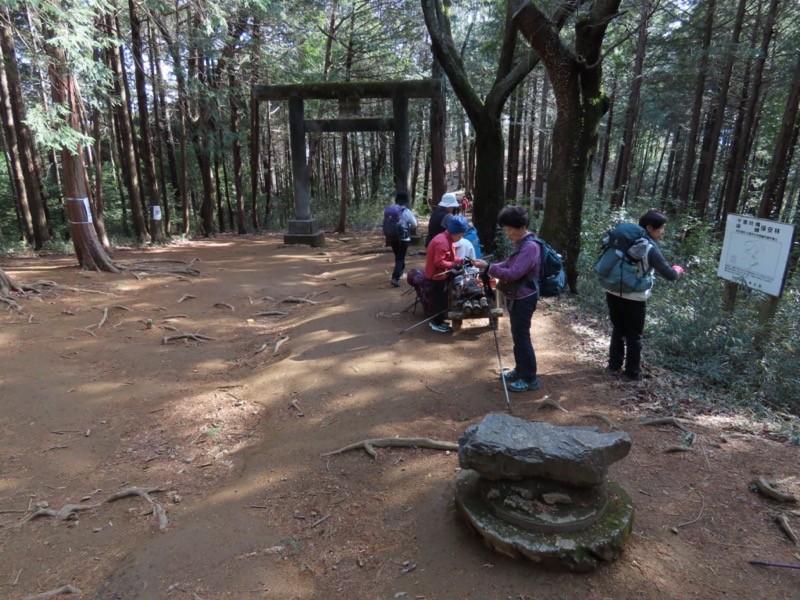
x,y
755,253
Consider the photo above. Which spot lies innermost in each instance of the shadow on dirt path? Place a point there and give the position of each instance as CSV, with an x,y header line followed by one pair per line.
x,y
231,431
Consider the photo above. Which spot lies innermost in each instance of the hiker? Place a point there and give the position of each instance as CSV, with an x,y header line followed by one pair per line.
x,y
401,240
441,216
472,237
627,309
517,279
464,205
440,260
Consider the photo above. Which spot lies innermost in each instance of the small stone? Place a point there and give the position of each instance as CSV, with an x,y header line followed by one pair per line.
x,y
556,498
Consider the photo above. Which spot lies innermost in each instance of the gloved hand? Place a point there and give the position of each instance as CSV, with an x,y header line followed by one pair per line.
x,y
678,269
466,262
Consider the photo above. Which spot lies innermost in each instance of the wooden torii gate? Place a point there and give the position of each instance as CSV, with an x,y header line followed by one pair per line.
x,y
304,229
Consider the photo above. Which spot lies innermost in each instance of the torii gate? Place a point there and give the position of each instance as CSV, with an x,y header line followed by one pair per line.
x,y
304,229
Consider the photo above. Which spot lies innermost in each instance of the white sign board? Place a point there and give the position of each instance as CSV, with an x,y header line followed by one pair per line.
x,y
755,253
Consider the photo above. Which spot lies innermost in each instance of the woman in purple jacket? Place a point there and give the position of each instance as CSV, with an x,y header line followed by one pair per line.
x,y
518,276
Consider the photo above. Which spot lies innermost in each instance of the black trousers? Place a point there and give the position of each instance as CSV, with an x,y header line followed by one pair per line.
x,y
627,320
439,300
400,249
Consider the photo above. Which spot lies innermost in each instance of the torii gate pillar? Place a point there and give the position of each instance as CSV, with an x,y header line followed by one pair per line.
x,y
304,229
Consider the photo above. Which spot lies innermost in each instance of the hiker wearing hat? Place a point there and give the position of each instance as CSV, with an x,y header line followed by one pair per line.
x,y
440,259
441,216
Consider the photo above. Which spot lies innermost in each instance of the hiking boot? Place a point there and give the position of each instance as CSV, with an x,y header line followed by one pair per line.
x,y
442,328
627,377
510,375
520,385
609,372
395,282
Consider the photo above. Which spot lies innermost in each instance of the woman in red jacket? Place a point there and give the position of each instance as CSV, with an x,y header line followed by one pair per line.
x,y
440,259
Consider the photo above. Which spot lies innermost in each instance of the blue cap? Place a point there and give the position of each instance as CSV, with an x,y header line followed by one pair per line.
x,y
457,224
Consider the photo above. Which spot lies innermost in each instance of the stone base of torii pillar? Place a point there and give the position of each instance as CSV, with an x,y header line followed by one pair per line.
x,y
304,231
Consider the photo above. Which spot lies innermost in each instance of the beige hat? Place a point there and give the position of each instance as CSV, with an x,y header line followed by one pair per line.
x,y
449,201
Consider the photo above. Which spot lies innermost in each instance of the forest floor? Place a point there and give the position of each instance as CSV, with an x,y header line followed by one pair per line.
x,y
228,433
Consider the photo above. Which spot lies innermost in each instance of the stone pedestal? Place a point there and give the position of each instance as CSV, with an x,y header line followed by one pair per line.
x,y
583,550
304,231
540,491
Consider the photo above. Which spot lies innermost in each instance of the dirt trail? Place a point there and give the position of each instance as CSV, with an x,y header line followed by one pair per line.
x,y
232,432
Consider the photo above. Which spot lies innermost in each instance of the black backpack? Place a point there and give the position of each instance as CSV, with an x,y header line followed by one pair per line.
x,y
393,222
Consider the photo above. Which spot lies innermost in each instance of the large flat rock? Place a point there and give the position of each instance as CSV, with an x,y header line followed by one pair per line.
x,y
506,447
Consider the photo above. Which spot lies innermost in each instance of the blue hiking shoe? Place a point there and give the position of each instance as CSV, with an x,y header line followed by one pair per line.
x,y
510,375
520,385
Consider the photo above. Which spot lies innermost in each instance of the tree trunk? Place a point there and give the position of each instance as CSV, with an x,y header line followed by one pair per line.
x,y
743,145
772,198
125,136
514,138
24,139
99,203
485,115
542,149
576,78
151,179
161,136
17,173
625,155
697,106
438,118
607,140
708,154
87,248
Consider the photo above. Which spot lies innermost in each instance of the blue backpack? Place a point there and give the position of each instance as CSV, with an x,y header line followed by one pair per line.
x,y
552,277
622,267
393,222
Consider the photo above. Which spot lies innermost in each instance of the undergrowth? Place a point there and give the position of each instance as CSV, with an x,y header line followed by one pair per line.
x,y
689,334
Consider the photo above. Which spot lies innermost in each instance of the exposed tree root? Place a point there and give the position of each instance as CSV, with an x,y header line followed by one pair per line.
x,y
10,302
547,401
65,513
299,300
783,523
666,421
370,445
68,511
766,488
271,313
603,418
223,305
279,343
186,297
64,589
195,337
158,510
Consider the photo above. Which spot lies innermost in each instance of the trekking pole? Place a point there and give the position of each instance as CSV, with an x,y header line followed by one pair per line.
x,y
492,323
423,321
487,289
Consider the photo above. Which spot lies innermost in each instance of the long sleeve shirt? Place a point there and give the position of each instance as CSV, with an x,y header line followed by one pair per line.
x,y
440,257
523,265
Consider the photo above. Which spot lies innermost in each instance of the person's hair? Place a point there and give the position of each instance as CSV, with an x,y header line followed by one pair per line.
x,y
513,216
402,198
653,218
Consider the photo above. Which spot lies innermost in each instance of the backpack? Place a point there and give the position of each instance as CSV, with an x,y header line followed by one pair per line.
x,y
552,277
393,222
622,267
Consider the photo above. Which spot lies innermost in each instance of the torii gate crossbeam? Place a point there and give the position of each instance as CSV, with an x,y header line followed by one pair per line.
x,y
304,229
